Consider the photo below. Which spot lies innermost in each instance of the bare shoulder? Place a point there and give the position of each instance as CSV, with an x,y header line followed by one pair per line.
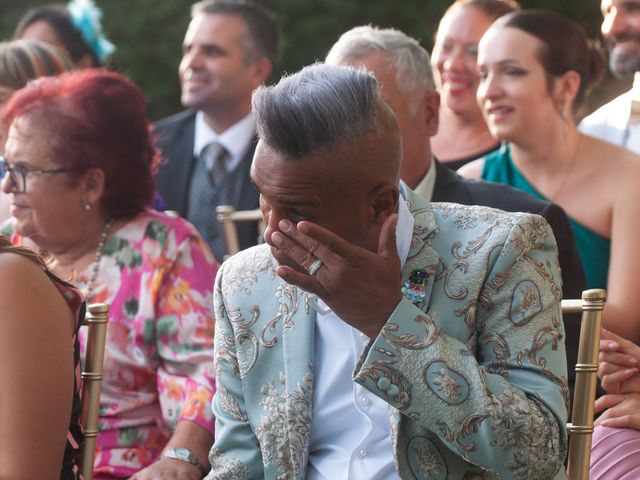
x,y
472,169
27,290
609,155
17,269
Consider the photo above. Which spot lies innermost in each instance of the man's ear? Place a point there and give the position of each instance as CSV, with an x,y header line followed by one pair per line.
x,y
432,111
384,202
262,69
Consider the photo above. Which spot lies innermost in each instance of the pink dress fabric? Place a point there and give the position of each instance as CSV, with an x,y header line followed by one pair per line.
x,y
615,454
157,274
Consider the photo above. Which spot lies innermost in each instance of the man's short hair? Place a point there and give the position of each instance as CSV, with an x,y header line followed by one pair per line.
x,y
411,62
316,109
261,24
493,9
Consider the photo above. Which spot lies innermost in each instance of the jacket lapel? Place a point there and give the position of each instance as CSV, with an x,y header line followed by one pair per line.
x,y
421,256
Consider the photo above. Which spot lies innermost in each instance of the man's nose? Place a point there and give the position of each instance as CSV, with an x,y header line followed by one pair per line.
x,y
614,22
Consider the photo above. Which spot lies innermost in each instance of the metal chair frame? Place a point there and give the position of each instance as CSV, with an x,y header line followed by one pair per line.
x,y
96,321
581,427
228,217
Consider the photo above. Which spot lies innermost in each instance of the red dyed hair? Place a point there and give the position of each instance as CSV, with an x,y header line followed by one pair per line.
x,y
95,119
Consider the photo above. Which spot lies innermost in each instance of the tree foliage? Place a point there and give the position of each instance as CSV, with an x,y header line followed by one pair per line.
x,y
149,33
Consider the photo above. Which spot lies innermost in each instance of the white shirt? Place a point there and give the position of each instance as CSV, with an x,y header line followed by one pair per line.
x,y
235,139
611,121
350,435
428,182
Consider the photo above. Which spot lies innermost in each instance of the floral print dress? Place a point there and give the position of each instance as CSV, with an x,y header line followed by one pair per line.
x,y
157,275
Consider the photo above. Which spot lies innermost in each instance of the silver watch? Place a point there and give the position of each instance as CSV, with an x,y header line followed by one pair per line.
x,y
186,455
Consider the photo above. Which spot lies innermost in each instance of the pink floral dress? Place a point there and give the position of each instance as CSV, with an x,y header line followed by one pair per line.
x,y
157,275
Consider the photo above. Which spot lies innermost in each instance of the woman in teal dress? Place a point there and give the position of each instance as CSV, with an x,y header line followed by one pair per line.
x,y
535,69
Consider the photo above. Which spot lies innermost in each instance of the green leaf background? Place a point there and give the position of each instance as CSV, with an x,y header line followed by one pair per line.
x,y
149,33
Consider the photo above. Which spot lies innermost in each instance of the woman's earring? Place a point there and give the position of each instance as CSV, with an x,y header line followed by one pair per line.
x,y
87,206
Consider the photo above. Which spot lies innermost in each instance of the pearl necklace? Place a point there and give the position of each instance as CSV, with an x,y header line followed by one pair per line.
x,y
99,254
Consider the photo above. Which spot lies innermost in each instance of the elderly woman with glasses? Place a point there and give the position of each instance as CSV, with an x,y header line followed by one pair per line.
x,y
78,168
21,61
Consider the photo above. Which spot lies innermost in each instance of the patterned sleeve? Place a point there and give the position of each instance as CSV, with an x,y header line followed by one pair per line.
x,y
184,331
499,403
235,453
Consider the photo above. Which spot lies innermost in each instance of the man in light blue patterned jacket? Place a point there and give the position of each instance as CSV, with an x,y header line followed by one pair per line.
x,y
376,335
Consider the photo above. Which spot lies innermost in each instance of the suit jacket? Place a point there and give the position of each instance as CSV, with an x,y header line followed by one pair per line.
x,y
451,187
174,137
474,376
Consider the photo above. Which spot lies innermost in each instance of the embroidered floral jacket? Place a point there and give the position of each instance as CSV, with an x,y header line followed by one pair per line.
x,y
474,375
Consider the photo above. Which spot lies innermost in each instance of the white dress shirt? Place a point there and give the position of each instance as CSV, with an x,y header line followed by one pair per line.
x,y
428,182
235,139
350,431
611,122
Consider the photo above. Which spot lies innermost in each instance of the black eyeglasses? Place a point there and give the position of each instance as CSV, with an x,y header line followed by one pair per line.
x,y
18,174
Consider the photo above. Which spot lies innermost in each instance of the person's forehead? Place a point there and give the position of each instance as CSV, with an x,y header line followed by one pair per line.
x,y
212,25
25,137
42,31
607,4
463,24
508,41
322,167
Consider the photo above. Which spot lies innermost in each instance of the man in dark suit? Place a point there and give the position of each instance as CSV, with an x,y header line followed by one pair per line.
x,y
403,69
230,48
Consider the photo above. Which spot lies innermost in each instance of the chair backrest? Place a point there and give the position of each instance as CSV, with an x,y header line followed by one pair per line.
x,y
96,321
581,427
228,217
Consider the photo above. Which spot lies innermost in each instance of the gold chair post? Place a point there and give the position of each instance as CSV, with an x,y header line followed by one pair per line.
x,y
96,320
224,215
581,426
228,217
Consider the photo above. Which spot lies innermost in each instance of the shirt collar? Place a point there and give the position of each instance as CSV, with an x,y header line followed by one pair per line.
x,y
404,229
235,139
425,188
635,89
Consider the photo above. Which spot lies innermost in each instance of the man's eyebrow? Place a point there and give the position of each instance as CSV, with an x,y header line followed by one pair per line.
x,y
292,201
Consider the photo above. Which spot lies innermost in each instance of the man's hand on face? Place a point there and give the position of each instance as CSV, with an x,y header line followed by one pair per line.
x,y
361,287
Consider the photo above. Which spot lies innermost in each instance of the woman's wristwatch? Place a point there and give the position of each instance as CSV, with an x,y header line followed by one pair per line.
x,y
186,455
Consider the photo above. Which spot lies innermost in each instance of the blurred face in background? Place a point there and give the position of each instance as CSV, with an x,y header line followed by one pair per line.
x,y
42,31
454,57
217,70
621,31
513,91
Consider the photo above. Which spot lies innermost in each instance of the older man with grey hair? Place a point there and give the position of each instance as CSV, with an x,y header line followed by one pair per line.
x,y
403,68
376,335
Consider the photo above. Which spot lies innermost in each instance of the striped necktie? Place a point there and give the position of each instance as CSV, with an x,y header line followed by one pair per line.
x,y
215,157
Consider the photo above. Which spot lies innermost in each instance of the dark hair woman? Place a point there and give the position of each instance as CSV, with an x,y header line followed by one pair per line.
x,y
75,27
536,68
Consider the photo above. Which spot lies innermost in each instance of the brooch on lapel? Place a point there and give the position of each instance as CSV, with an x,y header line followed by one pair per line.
x,y
413,288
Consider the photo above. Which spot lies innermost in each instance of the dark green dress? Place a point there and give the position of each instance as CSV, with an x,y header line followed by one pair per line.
x,y
593,248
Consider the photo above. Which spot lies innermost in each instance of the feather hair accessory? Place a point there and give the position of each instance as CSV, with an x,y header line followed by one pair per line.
x,y
86,17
